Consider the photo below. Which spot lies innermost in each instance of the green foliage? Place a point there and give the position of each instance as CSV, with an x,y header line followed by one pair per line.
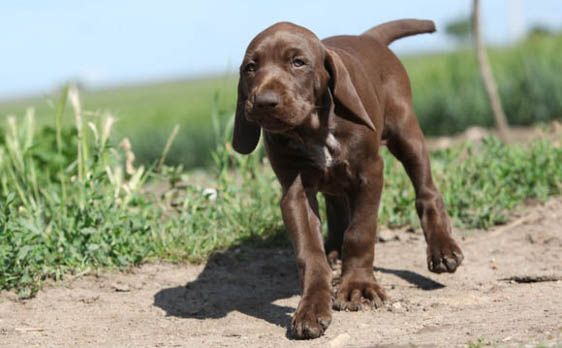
x,y
147,114
479,343
479,183
53,220
449,95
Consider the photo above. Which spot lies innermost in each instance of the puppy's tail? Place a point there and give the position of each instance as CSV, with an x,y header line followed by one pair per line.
x,y
394,30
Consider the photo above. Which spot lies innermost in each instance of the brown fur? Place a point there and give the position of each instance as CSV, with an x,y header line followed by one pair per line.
x,y
325,107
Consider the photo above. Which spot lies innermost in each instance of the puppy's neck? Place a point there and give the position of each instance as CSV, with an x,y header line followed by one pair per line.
x,y
318,126
315,138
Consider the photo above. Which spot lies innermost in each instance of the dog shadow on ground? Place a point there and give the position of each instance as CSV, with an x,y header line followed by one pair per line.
x,y
248,280
413,278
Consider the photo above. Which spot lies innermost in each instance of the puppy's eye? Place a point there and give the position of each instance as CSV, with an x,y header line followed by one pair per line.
x,y
298,62
250,67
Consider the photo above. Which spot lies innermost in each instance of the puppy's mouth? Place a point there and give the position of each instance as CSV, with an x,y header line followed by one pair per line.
x,y
278,120
269,120
274,125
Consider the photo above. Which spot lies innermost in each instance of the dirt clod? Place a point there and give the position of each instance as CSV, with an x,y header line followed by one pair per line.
x,y
120,287
533,279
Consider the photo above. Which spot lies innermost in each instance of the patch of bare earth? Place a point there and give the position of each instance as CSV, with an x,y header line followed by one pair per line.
x,y
507,292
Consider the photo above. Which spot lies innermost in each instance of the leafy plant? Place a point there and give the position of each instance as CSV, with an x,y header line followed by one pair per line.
x,y
71,201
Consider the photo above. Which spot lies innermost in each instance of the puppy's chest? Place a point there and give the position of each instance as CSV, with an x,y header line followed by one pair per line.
x,y
322,155
330,167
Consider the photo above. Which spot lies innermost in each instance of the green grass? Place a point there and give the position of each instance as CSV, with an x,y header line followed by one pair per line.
x,y
68,202
54,220
480,184
448,97
148,113
479,343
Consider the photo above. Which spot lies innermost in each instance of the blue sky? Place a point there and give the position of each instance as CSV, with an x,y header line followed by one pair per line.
x,y
105,43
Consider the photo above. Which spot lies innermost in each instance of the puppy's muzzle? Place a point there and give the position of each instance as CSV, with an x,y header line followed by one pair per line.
x,y
266,101
266,110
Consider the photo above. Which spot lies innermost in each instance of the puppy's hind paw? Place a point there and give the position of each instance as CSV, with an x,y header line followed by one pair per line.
x,y
443,255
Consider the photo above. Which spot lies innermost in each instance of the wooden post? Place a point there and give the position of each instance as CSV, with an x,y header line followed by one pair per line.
x,y
487,77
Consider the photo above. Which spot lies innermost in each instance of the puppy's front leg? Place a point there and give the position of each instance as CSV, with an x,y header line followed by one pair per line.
x,y
300,214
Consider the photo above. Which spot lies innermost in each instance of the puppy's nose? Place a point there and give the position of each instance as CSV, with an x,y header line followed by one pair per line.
x,y
267,100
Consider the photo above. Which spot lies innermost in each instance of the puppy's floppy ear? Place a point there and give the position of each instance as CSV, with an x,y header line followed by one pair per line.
x,y
246,134
346,100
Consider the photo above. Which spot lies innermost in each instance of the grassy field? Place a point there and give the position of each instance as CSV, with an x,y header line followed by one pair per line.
x,y
147,114
68,205
448,97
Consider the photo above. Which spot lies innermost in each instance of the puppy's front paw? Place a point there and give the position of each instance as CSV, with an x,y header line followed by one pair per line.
x,y
313,316
443,255
356,294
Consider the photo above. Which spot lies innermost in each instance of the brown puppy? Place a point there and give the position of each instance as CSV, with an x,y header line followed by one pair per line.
x,y
325,107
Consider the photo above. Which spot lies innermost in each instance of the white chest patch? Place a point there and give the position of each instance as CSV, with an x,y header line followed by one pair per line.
x,y
322,154
332,147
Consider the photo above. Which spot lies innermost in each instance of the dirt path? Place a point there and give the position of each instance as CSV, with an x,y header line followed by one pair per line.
x,y
245,297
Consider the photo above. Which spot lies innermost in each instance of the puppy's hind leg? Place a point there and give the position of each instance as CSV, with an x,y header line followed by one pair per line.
x,y
406,142
339,216
359,289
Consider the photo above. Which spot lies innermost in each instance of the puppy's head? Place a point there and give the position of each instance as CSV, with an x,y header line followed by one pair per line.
x,y
285,75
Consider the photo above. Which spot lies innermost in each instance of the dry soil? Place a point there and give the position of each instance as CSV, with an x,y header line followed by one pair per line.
x,y
506,293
